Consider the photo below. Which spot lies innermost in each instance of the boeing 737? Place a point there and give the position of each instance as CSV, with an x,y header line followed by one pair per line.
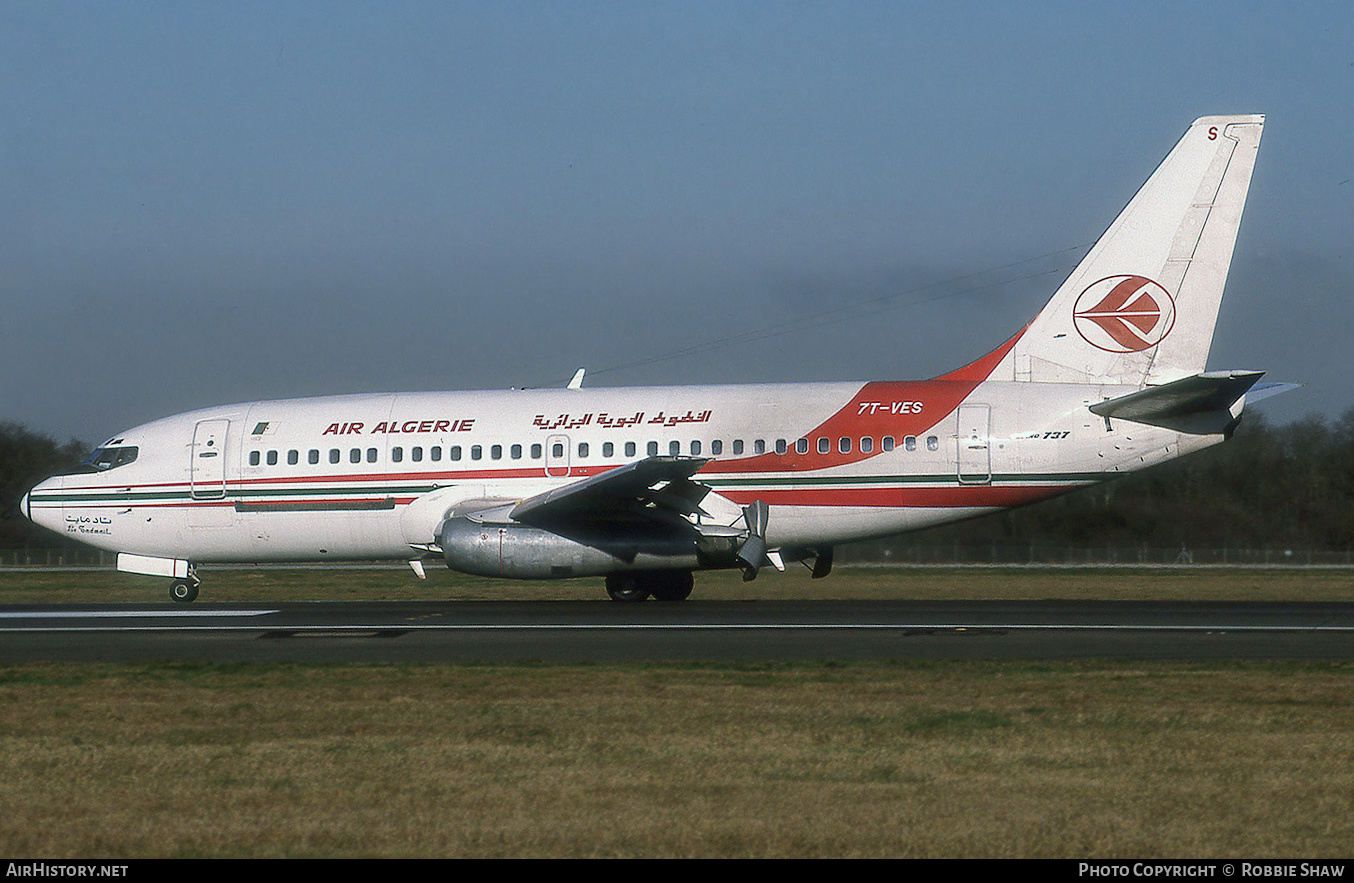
x,y
644,486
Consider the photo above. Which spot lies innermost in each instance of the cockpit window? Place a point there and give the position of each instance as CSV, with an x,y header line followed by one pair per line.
x,y
107,458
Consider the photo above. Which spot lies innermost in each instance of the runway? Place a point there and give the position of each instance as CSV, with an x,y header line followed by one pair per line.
x,y
603,631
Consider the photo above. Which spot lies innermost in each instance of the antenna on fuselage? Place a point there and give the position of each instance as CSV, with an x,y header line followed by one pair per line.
x,y
577,382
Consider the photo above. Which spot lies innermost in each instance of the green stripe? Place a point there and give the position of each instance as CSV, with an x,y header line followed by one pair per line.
x,y
800,481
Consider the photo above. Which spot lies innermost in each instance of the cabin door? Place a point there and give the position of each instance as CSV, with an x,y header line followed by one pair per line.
x,y
207,460
973,444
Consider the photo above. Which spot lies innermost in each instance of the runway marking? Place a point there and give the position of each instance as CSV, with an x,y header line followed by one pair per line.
x,y
128,614
342,630
839,626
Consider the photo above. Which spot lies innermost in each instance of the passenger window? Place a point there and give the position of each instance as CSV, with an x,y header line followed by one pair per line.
x,y
313,456
371,455
824,446
454,452
608,449
910,443
674,448
802,446
557,449
435,453
759,446
716,447
653,449
272,458
397,455
334,455
629,449
476,452
516,451
844,445
355,455
932,443
737,446
535,452
866,445
253,458
582,450
496,452
695,449
293,457
780,446
888,443
416,454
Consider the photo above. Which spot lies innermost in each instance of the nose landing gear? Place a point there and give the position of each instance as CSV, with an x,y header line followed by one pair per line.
x,y
184,589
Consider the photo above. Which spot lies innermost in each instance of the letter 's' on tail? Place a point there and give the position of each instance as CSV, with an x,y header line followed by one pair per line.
x,y
1140,307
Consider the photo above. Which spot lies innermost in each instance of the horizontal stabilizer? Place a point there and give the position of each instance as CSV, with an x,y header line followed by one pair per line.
x,y
1200,404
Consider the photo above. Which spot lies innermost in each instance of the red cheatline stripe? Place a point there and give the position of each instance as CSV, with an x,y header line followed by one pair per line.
x,y
901,498
951,497
345,478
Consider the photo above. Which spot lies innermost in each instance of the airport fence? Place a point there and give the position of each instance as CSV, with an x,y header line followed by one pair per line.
x,y
57,557
899,555
1062,555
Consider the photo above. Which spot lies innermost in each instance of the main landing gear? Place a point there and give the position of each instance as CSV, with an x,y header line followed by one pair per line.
x,y
639,585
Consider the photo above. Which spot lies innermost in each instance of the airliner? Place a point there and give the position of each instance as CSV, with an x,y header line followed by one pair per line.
x,y
646,485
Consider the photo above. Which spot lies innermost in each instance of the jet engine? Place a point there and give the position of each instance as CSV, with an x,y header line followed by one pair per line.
x,y
519,551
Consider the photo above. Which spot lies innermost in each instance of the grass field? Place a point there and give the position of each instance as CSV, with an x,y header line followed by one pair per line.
x,y
810,759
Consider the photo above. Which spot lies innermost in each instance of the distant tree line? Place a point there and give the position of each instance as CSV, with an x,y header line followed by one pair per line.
x,y
1273,485
26,458
1281,486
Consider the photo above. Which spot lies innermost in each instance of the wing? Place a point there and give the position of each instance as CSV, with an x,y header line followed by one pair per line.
x,y
650,504
657,489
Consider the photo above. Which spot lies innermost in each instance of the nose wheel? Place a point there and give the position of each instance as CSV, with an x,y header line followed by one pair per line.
x,y
184,590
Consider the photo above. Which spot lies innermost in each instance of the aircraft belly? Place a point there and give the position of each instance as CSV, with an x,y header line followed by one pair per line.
x,y
810,525
318,536
174,532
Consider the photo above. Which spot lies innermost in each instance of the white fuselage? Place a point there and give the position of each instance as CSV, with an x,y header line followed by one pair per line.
x,y
372,476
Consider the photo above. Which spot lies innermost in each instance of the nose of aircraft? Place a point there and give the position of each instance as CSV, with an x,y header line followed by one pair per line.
x,y
35,510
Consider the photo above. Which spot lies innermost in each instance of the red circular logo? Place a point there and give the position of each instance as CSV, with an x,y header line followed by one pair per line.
x,y
1124,314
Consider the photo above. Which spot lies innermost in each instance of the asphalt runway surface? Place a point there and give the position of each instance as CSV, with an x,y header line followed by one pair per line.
x,y
604,631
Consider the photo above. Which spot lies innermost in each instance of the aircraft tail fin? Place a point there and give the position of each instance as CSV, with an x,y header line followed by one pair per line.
x,y
1141,306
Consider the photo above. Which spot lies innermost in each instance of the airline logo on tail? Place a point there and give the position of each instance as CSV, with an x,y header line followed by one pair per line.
x,y
1124,314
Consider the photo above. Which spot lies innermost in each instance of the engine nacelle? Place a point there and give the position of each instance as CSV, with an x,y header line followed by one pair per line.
x,y
519,551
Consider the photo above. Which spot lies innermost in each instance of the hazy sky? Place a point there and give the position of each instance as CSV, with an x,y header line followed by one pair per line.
x,y
211,202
